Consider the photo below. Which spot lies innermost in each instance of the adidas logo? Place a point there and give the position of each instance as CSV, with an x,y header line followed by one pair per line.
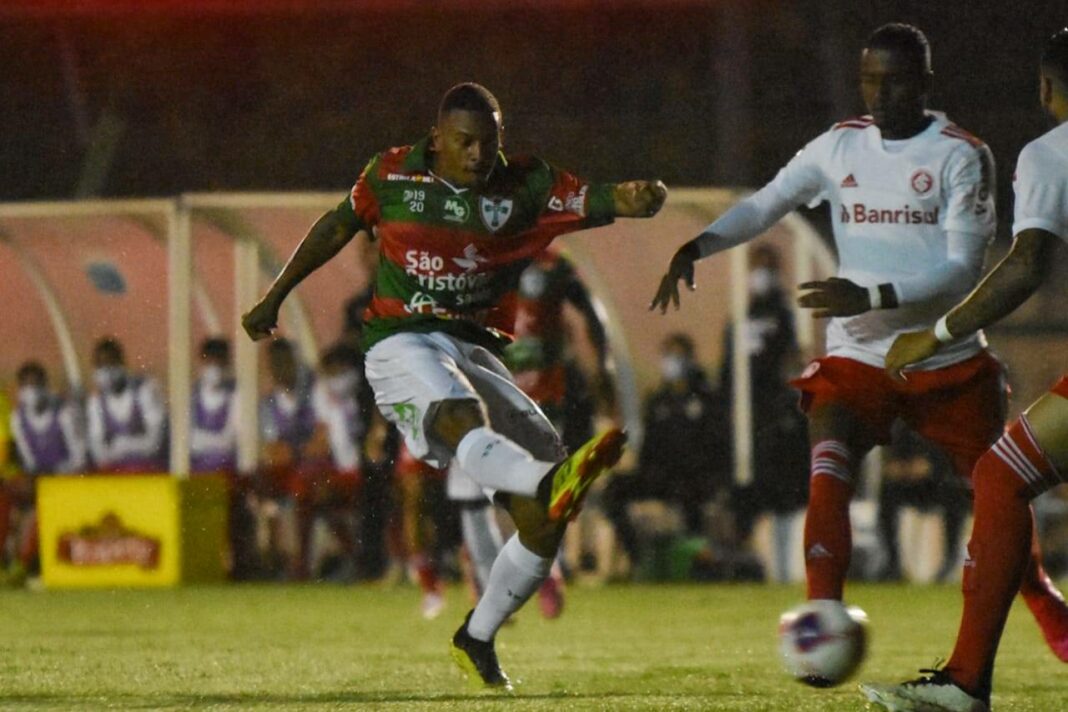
x,y
818,551
849,182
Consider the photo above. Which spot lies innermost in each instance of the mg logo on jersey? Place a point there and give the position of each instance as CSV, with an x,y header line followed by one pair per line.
x,y
921,182
455,209
495,212
471,259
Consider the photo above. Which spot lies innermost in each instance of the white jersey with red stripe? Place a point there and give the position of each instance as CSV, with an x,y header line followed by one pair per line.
x,y
1041,184
895,206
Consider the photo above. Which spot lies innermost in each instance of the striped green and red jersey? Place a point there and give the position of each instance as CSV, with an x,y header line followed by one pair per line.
x,y
451,257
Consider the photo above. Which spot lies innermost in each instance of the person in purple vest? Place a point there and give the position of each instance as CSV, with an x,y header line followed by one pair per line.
x,y
213,448
49,441
287,424
127,416
213,437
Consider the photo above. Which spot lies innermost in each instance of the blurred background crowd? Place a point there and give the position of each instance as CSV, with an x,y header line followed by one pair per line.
x,y
122,99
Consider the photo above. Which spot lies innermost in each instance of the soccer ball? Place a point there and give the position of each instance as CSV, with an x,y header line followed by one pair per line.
x,y
823,642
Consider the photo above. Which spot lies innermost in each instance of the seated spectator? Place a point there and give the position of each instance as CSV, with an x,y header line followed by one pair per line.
x,y
287,423
213,436
213,446
49,441
329,484
127,417
683,459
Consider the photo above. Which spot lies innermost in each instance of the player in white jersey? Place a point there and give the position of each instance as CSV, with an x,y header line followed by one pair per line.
x,y
1032,456
911,199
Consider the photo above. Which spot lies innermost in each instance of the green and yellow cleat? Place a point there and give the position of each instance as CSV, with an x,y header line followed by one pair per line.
x,y
573,476
478,660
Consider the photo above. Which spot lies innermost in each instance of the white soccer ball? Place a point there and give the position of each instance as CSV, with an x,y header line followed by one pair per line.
x,y
823,642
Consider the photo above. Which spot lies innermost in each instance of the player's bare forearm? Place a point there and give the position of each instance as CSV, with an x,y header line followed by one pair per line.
x,y
1008,285
639,198
324,240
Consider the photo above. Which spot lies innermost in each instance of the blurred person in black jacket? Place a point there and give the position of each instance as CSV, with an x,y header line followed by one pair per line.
x,y
780,432
683,458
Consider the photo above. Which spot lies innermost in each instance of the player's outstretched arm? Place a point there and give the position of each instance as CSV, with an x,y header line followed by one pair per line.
x,y
324,240
1007,286
680,268
639,198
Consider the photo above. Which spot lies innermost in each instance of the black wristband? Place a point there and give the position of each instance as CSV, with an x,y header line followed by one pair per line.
x,y
888,296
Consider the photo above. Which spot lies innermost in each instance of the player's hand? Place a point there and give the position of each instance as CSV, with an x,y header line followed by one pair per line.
x,y
835,297
908,349
681,267
639,198
261,320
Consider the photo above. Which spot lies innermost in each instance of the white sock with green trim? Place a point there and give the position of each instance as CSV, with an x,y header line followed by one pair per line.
x,y
498,463
516,575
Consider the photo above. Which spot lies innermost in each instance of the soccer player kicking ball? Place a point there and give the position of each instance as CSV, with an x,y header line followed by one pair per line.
x,y
457,222
1032,456
912,210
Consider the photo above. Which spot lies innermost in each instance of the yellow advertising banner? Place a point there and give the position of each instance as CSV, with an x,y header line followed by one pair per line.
x,y
142,530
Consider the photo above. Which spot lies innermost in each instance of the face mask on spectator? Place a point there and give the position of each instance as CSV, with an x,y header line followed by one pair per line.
x,y
212,375
107,378
761,281
673,368
342,384
30,397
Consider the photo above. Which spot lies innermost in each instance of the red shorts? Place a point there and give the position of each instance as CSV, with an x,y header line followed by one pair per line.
x,y
1061,387
960,408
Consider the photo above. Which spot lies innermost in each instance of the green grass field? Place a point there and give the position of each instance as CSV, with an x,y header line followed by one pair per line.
x,y
326,647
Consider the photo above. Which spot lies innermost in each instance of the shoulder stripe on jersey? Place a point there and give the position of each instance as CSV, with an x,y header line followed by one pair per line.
x,y
954,131
857,122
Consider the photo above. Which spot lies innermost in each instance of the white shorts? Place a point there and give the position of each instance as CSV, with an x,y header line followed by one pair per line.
x,y
411,374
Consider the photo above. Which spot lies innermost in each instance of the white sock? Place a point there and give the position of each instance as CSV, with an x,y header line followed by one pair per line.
x,y
516,575
482,537
496,462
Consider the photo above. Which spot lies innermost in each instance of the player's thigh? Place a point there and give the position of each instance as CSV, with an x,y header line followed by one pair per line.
x,y
848,401
411,375
512,413
1048,418
965,416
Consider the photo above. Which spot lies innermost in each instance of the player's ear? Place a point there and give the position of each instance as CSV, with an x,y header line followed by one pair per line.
x,y
435,139
1045,90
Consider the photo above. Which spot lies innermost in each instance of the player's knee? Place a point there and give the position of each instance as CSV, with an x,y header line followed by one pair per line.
x,y
537,532
453,419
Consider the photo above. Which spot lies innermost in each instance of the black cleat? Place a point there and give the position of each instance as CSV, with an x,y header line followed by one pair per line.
x,y
478,660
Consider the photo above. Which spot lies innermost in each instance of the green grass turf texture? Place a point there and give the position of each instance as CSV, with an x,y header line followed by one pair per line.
x,y
365,647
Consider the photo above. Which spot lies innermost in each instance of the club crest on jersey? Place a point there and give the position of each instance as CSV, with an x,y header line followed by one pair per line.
x,y
495,212
921,182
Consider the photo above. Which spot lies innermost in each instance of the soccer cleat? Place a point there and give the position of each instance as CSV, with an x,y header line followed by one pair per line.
x,y
934,693
551,596
478,660
573,477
